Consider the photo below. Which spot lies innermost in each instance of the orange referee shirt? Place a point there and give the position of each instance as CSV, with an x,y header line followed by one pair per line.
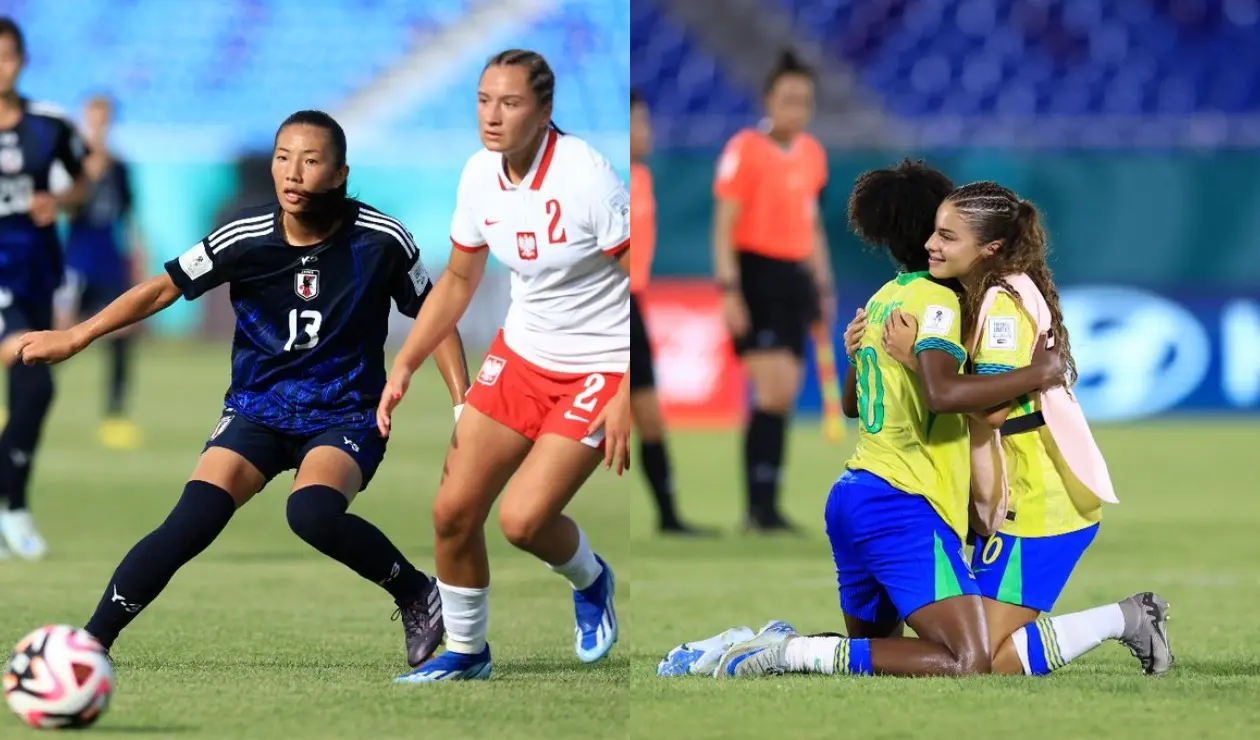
x,y
777,189
642,226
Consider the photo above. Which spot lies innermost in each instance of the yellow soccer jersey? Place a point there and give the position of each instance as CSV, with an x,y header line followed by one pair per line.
x,y
1043,502
899,439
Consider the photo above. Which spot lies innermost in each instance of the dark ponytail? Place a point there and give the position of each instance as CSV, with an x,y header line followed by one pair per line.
x,y
789,64
542,81
329,201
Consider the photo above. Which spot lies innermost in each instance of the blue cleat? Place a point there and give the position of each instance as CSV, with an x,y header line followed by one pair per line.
x,y
596,630
450,666
700,658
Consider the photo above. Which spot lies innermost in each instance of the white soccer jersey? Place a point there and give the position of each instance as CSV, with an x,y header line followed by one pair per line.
x,y
558,231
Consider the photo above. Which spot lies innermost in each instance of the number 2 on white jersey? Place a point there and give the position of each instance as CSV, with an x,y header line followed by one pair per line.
x,y
313,319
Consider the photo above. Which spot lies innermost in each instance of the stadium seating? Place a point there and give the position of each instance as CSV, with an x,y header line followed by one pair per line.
x,y
244,64
681,82
586,44
985,58
1053,57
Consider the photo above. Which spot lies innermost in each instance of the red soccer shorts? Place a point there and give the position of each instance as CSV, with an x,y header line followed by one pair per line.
x,y
534,401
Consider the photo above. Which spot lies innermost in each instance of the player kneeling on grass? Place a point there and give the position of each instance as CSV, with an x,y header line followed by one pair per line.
x,y
897,515
994,243
311,282
550,402
899,208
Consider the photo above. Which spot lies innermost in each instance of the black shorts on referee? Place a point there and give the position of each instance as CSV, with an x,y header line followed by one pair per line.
x,y
782,304
642,374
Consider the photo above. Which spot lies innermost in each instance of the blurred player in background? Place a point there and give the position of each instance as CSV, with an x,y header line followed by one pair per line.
x,y
32,139
311,281
647,409
550,401
771,261
103,256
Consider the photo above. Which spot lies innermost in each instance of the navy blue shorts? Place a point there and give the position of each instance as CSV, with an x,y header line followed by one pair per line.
x,y
17,317
1029,571
274,452
894,553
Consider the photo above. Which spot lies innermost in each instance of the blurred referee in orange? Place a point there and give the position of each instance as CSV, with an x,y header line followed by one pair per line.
x,y
643,401
771,261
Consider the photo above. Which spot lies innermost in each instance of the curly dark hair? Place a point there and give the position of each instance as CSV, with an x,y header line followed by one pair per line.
x,y
997,214
895,208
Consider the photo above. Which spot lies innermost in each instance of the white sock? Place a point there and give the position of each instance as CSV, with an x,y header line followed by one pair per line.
x,y
811,655
466,615
582,569
1063,639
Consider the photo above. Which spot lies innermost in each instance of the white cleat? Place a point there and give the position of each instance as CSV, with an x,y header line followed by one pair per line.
x,y
18,533
763,655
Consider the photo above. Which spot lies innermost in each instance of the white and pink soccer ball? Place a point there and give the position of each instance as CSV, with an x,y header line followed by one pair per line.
x,y
58,677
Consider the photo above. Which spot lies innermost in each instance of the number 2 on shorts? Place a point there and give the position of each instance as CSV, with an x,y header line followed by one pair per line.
x,y
587,399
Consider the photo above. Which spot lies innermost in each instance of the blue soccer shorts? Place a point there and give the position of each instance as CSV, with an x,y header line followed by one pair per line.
x,y
894,553
273,451
1029,571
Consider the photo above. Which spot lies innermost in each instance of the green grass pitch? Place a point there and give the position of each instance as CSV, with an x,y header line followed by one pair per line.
x,y
262,637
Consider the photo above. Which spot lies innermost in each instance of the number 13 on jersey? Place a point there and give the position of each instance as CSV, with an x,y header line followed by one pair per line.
x,y
304,325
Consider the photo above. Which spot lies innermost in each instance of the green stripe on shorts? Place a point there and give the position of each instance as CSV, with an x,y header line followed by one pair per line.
x,y
1011,589
947,584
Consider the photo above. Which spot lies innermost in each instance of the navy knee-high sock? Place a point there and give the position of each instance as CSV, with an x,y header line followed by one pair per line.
x,y
201,514
30,396
318,515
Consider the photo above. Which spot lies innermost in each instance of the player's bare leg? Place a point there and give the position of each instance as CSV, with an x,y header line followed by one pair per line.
x,y
532,519
531,511
326,483
222,482
481,459
776,378
953,641
1003,620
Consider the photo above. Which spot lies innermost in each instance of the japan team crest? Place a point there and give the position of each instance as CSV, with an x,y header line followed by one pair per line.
x,y
527,245
306,284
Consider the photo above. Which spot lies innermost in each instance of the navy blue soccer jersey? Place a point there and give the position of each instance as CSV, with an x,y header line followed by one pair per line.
x,y
309,349
30,256
96,246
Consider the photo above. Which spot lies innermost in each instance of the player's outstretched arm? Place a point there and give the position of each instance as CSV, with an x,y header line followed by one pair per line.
x,y
451,296
452,364
135,305
434,324
949,392
616,418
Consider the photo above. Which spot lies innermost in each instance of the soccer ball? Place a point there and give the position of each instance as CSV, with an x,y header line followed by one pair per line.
x,y
58,677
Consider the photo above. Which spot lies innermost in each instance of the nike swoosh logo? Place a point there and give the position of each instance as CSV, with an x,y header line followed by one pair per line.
x,y
488,222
